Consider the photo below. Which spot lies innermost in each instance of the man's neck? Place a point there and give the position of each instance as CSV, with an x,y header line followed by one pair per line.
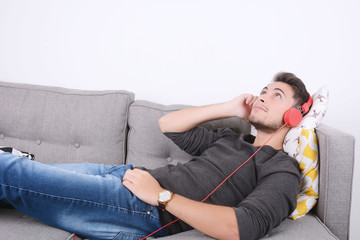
x,y
276,142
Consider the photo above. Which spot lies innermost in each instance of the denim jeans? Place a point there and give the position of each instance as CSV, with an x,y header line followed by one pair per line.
x,y
86,199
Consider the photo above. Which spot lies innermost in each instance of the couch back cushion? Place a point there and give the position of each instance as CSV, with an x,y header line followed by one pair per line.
x,y
62,125
149,147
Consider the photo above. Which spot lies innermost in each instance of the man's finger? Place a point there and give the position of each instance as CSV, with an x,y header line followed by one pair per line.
x,y
129,176
128,185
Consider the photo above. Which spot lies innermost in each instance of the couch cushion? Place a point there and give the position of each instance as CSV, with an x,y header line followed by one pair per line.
x,y
14,225
308,227
60,125
149,147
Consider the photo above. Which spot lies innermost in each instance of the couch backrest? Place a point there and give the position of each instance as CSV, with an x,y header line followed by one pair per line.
x,y
336,150
62,125
148,147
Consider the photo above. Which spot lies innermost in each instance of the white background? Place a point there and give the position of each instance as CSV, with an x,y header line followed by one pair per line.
x,y
193,52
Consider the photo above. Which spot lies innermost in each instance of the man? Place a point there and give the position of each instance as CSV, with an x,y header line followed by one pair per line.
x,y
92,201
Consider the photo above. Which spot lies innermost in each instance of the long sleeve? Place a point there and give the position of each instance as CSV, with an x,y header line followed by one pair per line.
x,y
198,139
269,204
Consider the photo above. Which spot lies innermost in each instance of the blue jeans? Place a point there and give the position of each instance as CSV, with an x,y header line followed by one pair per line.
x,y
86,199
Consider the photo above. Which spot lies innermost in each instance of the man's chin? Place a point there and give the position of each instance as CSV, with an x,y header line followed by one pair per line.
x,y
269,128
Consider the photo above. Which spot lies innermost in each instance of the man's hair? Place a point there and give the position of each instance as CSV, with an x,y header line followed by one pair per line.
x,y
301,94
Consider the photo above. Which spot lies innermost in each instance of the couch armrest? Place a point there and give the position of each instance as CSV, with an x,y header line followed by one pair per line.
x,y
337,151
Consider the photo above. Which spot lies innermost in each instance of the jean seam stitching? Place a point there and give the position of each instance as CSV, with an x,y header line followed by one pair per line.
x,y
133,235
79,200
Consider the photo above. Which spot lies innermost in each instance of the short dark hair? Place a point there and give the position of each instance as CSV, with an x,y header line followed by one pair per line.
x,y
301,94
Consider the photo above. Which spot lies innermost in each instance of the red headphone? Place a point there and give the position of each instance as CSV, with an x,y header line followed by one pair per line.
x,y
293,116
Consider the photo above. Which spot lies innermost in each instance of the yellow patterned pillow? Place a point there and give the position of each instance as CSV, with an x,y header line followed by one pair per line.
x,y
301,143
309,166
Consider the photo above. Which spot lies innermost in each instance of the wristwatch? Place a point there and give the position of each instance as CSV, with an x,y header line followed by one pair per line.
x,y
164,197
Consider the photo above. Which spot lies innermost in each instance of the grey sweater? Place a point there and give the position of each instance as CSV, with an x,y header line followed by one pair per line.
x,y
262,193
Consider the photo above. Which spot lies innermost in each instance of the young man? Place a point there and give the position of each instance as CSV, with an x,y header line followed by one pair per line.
x,y
93,200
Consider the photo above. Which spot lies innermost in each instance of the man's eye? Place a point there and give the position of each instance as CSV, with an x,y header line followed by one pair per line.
x,y
278,95
262,92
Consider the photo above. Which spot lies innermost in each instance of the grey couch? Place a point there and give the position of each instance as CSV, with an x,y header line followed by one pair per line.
x,y
62,125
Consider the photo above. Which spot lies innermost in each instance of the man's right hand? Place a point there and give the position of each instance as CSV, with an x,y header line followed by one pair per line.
x,y
241,105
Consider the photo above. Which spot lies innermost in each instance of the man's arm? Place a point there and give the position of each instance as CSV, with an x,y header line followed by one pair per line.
x,y
186,119
216,221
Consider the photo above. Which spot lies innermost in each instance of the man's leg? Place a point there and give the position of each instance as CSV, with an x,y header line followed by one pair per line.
x,y
93,206
86,168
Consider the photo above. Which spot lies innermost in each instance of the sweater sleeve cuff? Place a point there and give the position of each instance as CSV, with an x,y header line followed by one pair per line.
x,y
247,225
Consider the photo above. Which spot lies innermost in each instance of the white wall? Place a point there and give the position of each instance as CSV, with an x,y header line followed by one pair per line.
x,y
194,52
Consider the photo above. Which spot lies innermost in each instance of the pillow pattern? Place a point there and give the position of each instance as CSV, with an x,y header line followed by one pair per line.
x,y
301,144
17,152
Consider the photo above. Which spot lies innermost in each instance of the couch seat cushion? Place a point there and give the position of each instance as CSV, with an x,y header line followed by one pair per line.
x,y
307,227
14,225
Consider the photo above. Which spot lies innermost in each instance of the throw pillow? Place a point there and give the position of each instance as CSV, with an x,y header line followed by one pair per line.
x,y
17,152
301,143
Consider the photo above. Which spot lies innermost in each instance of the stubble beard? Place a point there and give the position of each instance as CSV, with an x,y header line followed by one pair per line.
x,y
266,128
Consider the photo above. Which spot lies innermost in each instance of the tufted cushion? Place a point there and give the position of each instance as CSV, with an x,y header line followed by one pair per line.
x,y
149,147
64,125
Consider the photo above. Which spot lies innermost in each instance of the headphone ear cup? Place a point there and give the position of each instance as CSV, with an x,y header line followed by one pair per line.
x,y
292,117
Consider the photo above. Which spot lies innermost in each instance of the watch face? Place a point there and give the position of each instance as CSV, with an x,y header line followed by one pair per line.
x,y
164,196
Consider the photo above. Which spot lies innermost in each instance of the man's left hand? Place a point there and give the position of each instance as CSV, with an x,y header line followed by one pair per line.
x,y
142,185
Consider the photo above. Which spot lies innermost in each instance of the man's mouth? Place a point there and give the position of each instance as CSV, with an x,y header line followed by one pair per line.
x,y
260,108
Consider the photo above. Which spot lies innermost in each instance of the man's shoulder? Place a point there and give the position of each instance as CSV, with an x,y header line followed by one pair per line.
x,y
281,162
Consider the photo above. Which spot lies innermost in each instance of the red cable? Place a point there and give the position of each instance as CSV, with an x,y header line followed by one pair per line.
x,y
222,181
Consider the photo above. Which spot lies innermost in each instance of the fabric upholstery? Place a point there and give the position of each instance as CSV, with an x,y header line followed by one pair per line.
x,y
16,226
304,228
61,125
308,227
337,151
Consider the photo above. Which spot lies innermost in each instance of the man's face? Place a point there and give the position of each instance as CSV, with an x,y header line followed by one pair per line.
x,y
268,110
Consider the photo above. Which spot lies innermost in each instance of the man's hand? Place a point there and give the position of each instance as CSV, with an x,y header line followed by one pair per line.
x,y
241,105
142,185
216,221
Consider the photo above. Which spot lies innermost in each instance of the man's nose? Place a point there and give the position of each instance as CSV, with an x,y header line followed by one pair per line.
x,y
262,98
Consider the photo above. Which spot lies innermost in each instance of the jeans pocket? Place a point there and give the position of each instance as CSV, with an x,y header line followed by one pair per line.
x,y
118,171
128,236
